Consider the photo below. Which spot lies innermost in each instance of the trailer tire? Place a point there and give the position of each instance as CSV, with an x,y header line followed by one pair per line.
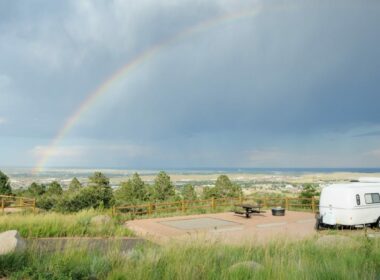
x,y
378,223
318,224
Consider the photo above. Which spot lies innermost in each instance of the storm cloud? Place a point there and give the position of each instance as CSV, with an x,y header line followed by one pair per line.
x,y
291,86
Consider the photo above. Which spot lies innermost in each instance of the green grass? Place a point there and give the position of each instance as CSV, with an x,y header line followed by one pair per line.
x,y
202,260
53,224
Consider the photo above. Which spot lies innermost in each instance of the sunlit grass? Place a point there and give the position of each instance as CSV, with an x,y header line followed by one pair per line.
x,y
52,224
202,260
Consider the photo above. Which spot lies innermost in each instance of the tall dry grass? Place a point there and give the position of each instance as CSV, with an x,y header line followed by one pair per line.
x,y
203,260
52,224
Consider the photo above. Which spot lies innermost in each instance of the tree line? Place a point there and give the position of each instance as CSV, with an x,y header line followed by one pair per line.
x,y
97,193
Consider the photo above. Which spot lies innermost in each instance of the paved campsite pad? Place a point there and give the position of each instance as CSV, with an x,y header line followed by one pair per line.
x,y
227,227
199,223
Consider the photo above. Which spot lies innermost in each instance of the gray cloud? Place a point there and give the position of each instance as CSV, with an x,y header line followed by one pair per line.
x,y
367,134
241,89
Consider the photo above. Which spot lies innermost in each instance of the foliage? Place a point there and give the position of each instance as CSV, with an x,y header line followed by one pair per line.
x,y
132,191
98,194
188,192
308,191
87,197
5,185
99,190
54,188
210,193
75,185
163,187
48,199
223,188
35,190
46,202
99,179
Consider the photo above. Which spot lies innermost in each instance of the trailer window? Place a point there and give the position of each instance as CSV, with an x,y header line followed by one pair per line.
x,y
372,198
357,199
375,198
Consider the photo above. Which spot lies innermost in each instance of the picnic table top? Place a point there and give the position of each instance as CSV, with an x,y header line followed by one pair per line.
x,y
247,205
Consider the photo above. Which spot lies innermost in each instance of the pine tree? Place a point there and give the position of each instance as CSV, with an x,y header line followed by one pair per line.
x,y
5,186
163,187
75,185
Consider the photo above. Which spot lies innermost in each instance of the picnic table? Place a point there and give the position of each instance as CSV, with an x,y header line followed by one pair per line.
x,y
248,209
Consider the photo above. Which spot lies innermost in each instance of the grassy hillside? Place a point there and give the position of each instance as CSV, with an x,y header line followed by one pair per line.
x,y
202,260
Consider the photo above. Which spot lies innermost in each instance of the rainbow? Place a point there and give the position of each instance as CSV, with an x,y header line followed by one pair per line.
x,y
143,56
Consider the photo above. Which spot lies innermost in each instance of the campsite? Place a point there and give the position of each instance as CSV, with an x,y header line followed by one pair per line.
x,y
190,140
266,237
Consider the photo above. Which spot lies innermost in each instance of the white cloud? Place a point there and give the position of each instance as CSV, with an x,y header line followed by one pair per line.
x,y
3,120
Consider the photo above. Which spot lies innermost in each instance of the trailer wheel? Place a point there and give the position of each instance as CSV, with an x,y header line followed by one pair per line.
x,y
378,223
317,225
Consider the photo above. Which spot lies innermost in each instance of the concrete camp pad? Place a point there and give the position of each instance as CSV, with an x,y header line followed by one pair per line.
x,y
227,227
199,223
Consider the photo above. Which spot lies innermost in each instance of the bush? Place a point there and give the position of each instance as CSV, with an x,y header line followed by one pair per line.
x,y
47,202
97,195
87,197
309,191
223,188
5,185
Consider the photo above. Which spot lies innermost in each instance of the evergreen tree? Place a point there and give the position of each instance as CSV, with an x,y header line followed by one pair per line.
x,y
223,188
163,187
188,192
132,191
138,187
54,188
99,179
308,191
75,185
36,190
5,186
99,190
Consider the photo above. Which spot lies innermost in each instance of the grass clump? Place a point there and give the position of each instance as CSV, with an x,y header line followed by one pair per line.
x,y
202,260
70,264
52,224
277,260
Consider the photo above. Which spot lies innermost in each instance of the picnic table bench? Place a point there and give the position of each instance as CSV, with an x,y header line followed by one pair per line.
x,y
248,209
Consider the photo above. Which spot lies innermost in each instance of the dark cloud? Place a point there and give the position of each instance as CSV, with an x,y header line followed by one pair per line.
x,y
289,75
285,72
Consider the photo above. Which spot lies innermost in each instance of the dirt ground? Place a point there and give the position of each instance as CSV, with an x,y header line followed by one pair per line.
x,y
227,227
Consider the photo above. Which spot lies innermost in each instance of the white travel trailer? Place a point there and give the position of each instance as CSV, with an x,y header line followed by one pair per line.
x,y
350,204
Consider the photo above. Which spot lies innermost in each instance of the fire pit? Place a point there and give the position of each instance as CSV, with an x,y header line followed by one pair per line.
x,y
278,211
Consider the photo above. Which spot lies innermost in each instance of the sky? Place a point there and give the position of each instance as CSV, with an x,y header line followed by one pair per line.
x,y
291,84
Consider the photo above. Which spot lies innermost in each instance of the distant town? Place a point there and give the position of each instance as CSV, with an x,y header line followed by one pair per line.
x,y
250,182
